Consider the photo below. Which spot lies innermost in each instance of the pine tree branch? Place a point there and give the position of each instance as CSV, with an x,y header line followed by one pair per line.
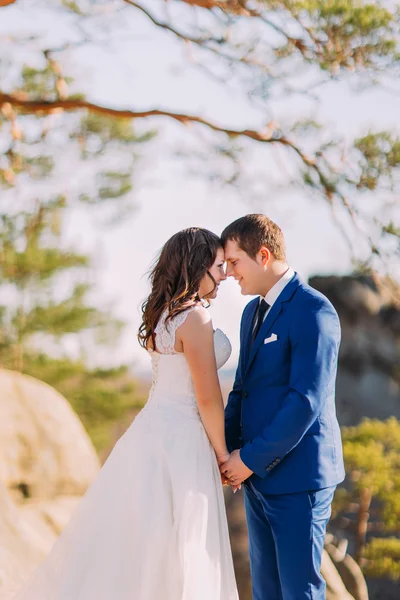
x,y
229,6
269,135
71,104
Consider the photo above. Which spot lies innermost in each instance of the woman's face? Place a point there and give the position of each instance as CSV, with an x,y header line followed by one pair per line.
x,y
217,271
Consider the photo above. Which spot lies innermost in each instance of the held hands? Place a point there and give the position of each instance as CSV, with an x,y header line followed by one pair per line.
x,y
222,459
233,470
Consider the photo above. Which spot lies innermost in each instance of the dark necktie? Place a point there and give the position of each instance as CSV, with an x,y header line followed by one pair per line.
x,y
262,309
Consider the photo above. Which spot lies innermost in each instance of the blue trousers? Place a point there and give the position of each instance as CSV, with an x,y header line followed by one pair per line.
x,y
286,539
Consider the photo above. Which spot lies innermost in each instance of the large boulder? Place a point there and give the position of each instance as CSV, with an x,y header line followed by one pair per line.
x,y
44,449
47,462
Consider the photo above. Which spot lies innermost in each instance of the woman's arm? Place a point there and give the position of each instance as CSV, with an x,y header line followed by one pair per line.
x,y
197,337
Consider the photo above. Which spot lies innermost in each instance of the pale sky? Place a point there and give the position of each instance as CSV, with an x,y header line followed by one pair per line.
x,y
144,68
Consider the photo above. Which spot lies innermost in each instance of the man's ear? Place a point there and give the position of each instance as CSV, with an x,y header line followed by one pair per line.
x,y
265,255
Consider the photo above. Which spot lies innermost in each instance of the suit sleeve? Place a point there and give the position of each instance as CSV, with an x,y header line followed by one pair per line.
x,y
314,339
234,407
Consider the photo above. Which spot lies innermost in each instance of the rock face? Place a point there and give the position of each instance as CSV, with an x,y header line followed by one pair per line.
x,y
20,547
46,463
44,450
368,383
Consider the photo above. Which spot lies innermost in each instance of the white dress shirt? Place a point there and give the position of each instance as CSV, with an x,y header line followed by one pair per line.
x,y
273,294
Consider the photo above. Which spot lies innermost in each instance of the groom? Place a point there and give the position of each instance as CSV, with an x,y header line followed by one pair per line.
x,y
281,424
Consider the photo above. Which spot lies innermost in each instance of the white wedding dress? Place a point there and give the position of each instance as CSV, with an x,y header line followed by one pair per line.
x,y
152,526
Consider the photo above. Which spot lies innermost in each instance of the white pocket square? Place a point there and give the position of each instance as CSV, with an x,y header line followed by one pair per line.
x,y
272,338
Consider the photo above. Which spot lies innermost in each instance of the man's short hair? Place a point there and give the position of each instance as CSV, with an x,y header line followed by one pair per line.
x,y
251,232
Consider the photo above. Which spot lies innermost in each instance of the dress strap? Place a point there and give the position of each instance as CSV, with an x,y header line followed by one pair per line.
x,y
165,331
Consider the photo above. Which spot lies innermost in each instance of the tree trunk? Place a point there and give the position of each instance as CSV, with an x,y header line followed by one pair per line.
x,y
362,523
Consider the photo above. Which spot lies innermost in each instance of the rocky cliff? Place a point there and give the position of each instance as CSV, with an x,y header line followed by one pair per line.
x,y
368,383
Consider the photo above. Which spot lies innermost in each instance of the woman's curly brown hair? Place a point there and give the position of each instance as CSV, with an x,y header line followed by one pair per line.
x,y
175,278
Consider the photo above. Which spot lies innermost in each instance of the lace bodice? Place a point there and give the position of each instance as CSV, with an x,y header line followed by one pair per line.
x,y
166,331
172,384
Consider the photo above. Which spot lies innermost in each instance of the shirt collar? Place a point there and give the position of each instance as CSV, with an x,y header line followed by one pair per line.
x,y
277,289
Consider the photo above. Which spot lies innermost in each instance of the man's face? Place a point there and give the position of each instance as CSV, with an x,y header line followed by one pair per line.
x,y
245,270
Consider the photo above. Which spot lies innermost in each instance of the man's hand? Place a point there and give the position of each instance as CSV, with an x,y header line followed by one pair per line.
x,y
235,469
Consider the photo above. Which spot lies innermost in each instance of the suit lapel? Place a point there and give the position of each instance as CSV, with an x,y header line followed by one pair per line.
x,y
270,319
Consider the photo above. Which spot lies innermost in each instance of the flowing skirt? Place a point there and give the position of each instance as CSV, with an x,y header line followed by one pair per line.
x,y
152,526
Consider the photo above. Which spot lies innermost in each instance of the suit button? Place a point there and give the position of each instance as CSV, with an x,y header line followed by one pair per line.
x,y
245,395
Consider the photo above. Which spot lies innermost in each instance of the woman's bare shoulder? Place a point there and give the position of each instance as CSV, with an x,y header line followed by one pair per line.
x,y
198,319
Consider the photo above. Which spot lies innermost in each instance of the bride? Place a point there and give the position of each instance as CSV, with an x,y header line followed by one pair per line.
x,y
153,526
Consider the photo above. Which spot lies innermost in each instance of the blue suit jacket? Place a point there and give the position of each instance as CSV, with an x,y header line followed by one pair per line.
x,y
281,411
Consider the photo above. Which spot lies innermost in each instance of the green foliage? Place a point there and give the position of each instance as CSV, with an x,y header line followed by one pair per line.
x,y
38,167
31,262
107,128
372,460
69,316
114,184
383,556
44,262
372,456
72,6
31,265
380,156
344,33
40,82
25,245
102,397
392,229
